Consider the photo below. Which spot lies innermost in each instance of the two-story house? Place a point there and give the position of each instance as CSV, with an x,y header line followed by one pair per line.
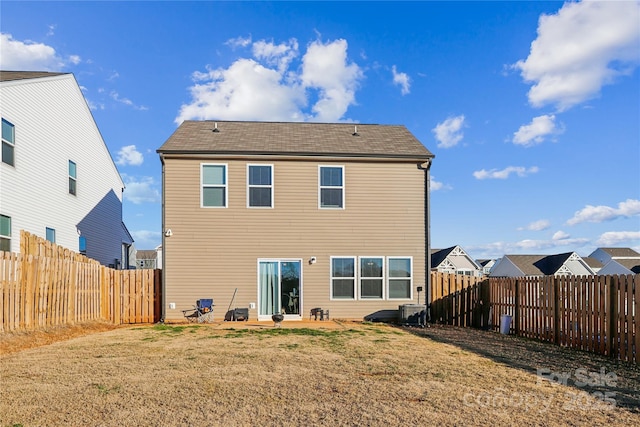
x,y
294,216
57,178
617,260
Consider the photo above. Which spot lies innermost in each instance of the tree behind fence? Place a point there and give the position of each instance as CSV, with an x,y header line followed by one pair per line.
x,y
47,285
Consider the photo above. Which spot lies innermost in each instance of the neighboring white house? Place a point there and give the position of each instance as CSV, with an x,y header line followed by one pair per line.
x,y
149,258
567,264
454,260
57,177
486,265
617,260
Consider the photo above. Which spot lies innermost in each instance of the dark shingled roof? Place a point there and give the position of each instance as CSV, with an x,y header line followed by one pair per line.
x,y
439,255
526,263
295,138
6,76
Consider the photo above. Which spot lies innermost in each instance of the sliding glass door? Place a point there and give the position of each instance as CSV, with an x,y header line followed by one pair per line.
x,y
279,288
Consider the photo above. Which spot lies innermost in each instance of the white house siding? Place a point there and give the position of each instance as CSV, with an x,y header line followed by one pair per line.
x,y
53,125
505,268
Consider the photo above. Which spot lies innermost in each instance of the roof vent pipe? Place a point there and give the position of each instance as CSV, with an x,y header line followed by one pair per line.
x,y
355,131
215,128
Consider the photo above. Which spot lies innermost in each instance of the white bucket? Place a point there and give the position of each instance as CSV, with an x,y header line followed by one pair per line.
x,y
505,324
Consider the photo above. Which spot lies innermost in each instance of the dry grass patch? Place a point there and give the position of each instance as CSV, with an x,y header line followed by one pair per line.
x,y
352,374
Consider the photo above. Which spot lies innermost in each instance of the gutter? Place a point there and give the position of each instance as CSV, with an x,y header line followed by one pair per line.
x,y
426,167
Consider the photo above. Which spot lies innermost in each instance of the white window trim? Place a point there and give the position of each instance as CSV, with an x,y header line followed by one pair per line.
x,y
383,278
410,258
12,144
74,178
356,265
320,187
249,186
225,185
10,227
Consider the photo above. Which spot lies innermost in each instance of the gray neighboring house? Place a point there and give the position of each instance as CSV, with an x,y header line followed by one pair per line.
x,y
566,264
149,258
617,261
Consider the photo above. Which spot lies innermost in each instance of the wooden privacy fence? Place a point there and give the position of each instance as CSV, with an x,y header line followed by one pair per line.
x,y
459,300
592,313
47,285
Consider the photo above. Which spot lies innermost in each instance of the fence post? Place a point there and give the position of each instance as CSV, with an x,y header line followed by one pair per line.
x,y
516,308
613,311
556,310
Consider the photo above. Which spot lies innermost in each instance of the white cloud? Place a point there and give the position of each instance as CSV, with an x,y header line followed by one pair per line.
x,y
614,238
325,68
271,87
504,173
402,80
128,155
527,246
449,132
279,55
239,42
437,185
539,225
27,55
75,59
560,235
536,132
126,101
581,48
589,213
141,190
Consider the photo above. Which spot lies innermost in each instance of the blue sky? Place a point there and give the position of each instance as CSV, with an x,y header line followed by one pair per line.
x,y
531,108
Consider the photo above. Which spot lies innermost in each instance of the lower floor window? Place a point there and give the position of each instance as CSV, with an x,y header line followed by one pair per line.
x,y
51,235
375,277
343,278
5,233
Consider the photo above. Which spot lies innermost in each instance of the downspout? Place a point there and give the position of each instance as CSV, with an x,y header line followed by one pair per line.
x,y
426,167
164,253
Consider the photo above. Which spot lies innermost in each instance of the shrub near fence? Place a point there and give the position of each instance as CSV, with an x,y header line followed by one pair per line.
x,y
47,285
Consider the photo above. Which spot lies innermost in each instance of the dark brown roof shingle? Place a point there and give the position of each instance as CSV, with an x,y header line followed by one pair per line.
x,y
6,76
295,138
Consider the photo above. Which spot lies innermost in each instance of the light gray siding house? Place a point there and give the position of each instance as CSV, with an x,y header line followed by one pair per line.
x,y
57,177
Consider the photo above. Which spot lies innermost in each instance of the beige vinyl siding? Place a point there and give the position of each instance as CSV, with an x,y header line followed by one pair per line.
x,y
214,251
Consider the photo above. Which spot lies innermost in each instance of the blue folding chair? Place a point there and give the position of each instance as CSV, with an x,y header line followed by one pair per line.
x,y
202,312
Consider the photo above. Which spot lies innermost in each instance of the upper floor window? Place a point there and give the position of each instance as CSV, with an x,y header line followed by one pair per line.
x,y
213,179
5,233
72,178
400,277
343,278
331,187
51,235
260,186
8,143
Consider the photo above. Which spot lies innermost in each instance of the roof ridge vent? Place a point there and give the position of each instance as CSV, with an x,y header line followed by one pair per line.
x,y
215,127
355,131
